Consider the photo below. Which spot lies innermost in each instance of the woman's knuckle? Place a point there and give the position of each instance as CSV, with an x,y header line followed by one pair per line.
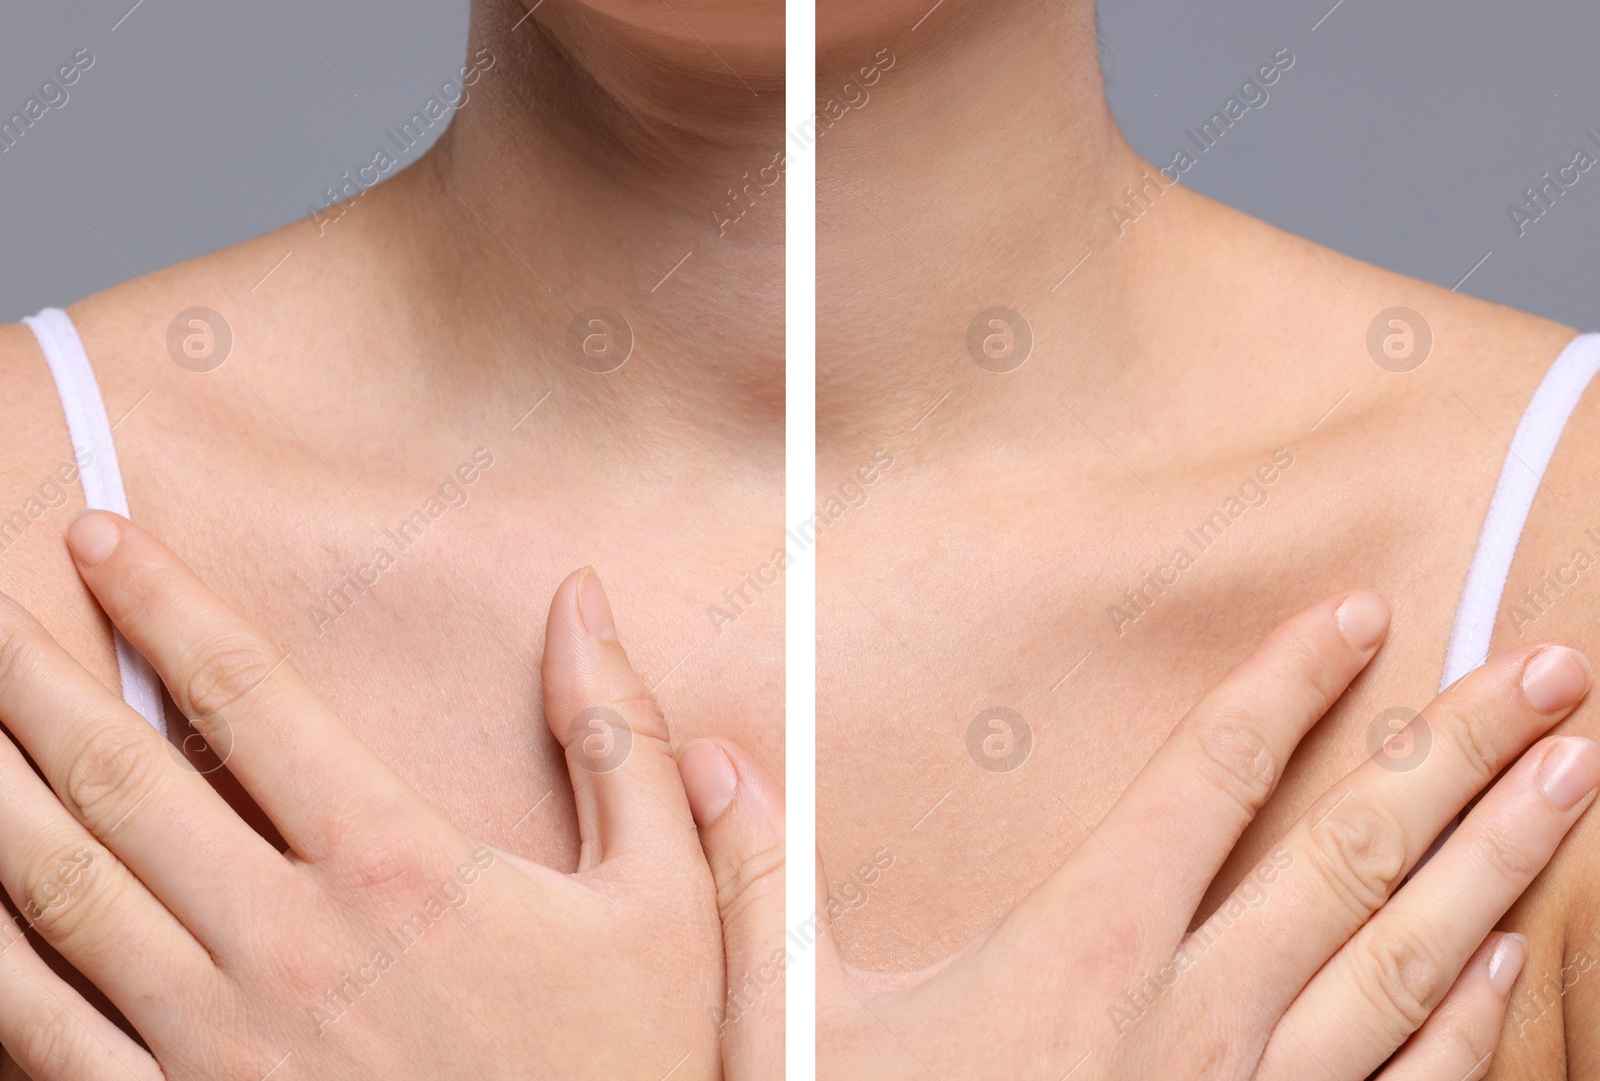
x,y
20,643
1309,671
1360,851
1232,741
113,771
642,714
224,671
1109,959
1401,976
1474,744
1477,1041
59,888
1501,854
388,864
755,878
49,1039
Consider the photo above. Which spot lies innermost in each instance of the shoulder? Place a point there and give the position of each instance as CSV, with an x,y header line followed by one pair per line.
x,y
36,456
40,491
1552,594
1405,359
1435,384
1466,401
1405,334
266,296
146,338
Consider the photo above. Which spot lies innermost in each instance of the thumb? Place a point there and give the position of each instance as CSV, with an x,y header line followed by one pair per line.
x,y
739,809
619,752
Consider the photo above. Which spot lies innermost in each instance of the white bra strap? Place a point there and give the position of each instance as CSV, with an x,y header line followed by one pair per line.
x,y
97,468
1531,448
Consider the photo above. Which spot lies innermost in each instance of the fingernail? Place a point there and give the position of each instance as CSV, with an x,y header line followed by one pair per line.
x,y
1506,961
593,607
1570,771
92,537
1363,617
708,780
1555,678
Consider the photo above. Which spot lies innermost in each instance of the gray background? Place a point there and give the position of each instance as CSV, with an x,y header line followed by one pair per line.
x,y
201,123
1400,135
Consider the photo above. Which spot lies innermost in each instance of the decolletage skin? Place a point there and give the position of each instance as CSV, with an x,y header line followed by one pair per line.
x,y
1197,382
410,445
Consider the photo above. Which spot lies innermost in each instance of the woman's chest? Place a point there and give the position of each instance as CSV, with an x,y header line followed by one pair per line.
x,y
419,615
989,689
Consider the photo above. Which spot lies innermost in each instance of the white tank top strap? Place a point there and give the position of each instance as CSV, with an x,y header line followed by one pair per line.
x,y
90,432
1531,447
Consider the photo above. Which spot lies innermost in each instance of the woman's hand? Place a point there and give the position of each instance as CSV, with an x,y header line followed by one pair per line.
x,y
384,943
740,811
1321,964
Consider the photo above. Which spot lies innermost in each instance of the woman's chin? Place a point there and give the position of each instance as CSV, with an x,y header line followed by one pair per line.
x,y
714,34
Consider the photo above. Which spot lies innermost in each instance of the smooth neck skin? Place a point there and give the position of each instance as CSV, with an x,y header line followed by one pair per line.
x,y
987,143
983,169
591,160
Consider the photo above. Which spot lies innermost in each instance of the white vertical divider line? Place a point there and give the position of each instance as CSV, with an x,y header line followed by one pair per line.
x,y
800,498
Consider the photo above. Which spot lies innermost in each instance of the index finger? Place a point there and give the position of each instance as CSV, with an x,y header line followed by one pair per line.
x,y
1180,818
310,774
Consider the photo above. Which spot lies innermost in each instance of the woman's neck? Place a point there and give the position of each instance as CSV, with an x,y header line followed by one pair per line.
x,y
652,194
979,175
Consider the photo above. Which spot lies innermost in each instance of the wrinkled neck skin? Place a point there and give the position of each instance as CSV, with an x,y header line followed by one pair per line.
x,y
627,166
977,174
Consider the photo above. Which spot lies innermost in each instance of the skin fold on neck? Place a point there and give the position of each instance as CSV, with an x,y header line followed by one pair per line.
x,y
603,165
